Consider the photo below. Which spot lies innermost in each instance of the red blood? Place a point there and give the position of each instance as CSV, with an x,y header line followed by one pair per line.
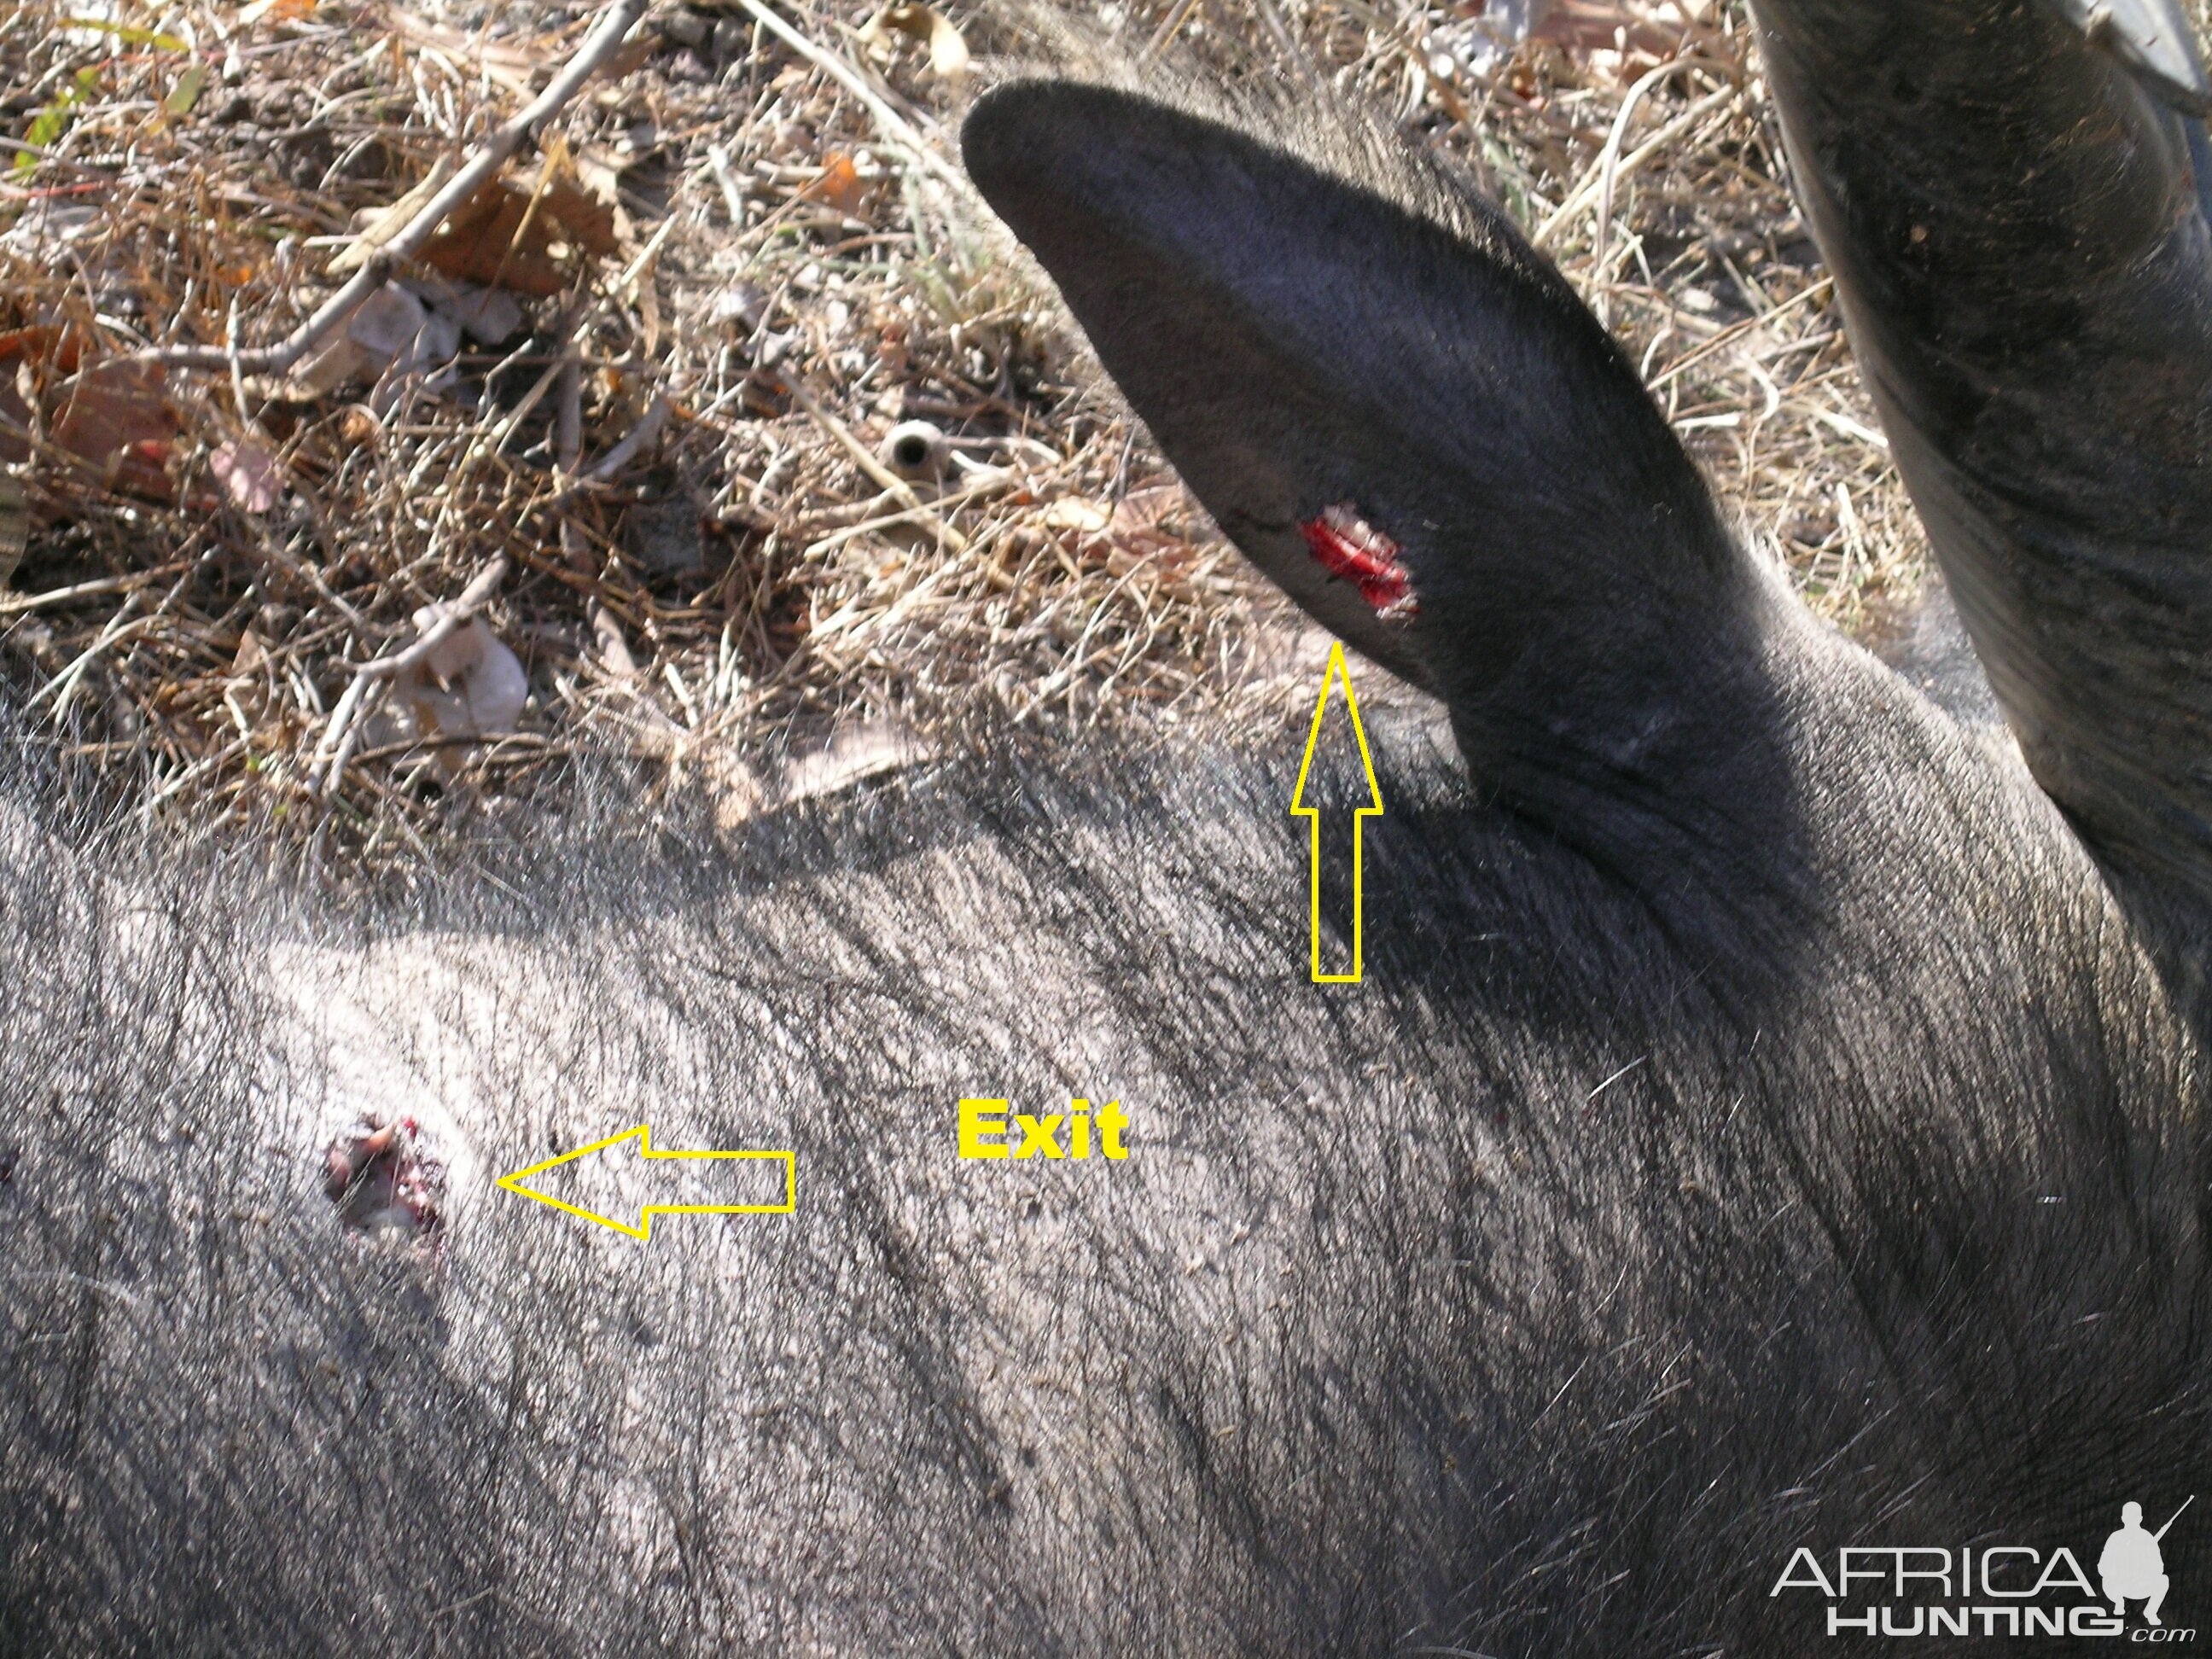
x,y
1348,547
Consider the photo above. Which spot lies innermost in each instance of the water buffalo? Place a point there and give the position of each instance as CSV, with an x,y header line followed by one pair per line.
x,y
1772,1121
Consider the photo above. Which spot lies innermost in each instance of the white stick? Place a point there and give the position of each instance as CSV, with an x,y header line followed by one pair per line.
x,y
2160,1535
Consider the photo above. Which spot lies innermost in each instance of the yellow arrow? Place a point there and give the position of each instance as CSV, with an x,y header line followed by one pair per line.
x,y
1336,672
643,1135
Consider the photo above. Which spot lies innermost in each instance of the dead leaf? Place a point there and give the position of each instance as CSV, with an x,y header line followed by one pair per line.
x,y
14,419
250,474
361,428
253,652
1599,26
584,216
390,324
1077,513
339,363
948,51
28,357
840,185
859,755
42,342
386,322
628,58
115,418
470,686
1145,519
487,316
600,169
496,239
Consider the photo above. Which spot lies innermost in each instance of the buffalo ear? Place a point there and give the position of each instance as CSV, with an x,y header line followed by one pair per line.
x,y
1396,410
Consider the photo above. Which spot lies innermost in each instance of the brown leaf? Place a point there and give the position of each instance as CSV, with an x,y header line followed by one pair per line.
x,y
495,238
589,220
42,342
28,357
277,11
115,418
600,169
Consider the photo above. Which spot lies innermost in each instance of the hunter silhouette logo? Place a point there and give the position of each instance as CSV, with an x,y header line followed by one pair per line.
x,y
1995,1590
2132,1568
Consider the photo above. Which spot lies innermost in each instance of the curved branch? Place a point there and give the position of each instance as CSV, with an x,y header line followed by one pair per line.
x,y
614,23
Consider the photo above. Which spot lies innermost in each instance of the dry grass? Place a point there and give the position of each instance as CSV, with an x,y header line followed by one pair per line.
x,y
734,276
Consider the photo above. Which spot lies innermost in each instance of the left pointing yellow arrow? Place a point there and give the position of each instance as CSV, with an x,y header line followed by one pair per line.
x,y
643,1135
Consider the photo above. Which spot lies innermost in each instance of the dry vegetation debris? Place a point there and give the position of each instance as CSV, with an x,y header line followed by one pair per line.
x,y
716,416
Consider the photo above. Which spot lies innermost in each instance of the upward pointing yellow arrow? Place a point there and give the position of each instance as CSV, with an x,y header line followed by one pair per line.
x,y
1337,673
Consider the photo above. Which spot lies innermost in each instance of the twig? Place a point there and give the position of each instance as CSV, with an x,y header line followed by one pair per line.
x,y
15,604
344,732
568,450
1605,173
635,269
1609,167
452,619
1285,42
614,23
1730,335
122,626
45,159
488,747
733,199
345,728
900,130
875,470
1169,28
648,428
999,479
569,415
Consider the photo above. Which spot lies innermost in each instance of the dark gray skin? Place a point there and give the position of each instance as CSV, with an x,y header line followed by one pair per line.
x,y
1765,1123
2017,227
